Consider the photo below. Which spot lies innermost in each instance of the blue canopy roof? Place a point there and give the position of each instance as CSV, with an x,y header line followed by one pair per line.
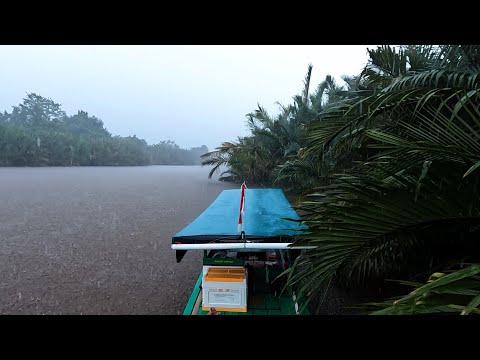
x,y
264,212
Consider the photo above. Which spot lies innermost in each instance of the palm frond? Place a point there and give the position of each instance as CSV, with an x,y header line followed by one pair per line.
x,y
457,292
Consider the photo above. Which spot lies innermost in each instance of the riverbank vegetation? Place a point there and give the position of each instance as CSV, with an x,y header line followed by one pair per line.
x,y
386,169
39,133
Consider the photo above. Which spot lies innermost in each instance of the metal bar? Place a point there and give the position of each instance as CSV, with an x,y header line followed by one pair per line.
x,y
232,246
193,296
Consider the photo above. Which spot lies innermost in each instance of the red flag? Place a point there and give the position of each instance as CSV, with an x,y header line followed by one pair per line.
x,y
242,207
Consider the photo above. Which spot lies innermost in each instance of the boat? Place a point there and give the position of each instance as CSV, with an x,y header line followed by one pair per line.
x,y
247,237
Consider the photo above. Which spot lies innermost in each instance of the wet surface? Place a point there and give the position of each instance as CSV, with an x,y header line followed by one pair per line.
x,y
96,240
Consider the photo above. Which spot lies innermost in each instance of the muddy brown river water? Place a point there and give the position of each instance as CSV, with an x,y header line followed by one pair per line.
x,y
96,240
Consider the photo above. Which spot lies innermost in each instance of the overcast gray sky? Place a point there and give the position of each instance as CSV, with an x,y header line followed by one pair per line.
x,y
192,95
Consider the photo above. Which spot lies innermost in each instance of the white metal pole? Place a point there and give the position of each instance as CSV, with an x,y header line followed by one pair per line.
x,y
231,246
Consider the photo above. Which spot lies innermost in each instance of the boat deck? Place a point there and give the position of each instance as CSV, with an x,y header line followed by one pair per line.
x,y
261,301
264,304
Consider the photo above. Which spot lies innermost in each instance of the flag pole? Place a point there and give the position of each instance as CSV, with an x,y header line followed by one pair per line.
x,y
240,226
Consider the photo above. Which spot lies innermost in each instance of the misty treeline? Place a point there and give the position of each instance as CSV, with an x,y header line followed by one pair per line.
x,y
387,172
39,133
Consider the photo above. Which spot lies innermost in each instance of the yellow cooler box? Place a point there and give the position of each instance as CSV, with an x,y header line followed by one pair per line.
x,y
225,289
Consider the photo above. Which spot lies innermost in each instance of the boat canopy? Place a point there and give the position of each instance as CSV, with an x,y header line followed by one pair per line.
x,y
267,222
264,218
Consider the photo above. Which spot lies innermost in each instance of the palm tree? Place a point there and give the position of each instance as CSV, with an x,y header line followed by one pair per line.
x,y
406,200
304,170
272,153
457,292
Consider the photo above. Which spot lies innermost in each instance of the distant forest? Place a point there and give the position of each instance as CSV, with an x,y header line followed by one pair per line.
x,y
39,133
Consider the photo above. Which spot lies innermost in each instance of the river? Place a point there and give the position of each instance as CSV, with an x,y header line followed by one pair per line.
x,y
96,240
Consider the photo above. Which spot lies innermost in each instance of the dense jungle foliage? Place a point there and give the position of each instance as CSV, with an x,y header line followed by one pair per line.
x,y
39,133
386,172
